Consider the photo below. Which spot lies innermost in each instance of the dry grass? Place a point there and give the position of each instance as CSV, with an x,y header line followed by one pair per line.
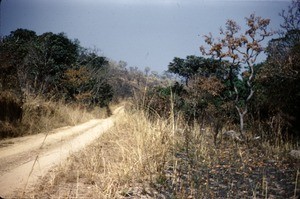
x,y
166,159
40,115
123,162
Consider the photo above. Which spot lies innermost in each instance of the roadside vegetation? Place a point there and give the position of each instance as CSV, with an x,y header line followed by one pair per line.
x,y
217,126
165,158
42,115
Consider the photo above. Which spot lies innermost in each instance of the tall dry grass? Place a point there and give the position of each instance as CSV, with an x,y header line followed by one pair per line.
x,y
136,158
41,115
124,161
163,158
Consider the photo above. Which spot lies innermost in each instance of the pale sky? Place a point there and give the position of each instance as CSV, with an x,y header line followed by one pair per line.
x,y
140,32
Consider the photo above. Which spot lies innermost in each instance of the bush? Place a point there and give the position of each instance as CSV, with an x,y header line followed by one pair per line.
x,y
10,114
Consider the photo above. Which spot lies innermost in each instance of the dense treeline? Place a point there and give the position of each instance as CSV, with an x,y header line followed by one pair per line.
x,y
53,65
58,68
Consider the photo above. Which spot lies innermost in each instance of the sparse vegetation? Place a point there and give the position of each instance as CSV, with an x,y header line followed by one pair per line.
x,y
197,136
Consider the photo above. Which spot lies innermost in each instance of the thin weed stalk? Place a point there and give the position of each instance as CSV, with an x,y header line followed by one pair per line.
x,y
296,184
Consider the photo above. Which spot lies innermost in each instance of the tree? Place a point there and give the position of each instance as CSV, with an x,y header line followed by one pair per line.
x,y
194,65
119,79
291,17
53,64
239,50
87,80
13,51
76,84
49,56
90,58
147,70
280,75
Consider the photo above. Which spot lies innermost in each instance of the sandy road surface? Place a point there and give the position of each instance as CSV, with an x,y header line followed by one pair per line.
x,y
24,160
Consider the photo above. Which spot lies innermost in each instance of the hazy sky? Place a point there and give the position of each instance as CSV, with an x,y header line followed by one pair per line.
x,y
140,32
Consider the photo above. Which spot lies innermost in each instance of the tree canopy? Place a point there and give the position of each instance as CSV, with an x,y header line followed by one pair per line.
x,y
52,64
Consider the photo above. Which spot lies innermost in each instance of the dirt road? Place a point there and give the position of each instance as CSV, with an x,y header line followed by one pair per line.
x,y
24,160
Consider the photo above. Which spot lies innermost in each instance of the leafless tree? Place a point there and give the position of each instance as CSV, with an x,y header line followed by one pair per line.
x,y
291,17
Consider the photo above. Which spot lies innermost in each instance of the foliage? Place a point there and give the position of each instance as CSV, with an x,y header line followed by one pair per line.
x,y
13,49
276,103
157,100
49,56
53,64
279,92
76,83
218,90
120,80
203,100
239,50
192,65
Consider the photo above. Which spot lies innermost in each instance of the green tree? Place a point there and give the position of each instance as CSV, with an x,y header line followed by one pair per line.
x,y
194,65
48,57
53,64
14,49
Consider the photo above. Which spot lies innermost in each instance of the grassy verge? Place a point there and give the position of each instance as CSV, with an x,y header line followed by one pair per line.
x,y
124,162
142,159
40,115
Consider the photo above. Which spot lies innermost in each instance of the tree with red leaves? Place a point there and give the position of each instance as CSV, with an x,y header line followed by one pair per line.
x,y
239,50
